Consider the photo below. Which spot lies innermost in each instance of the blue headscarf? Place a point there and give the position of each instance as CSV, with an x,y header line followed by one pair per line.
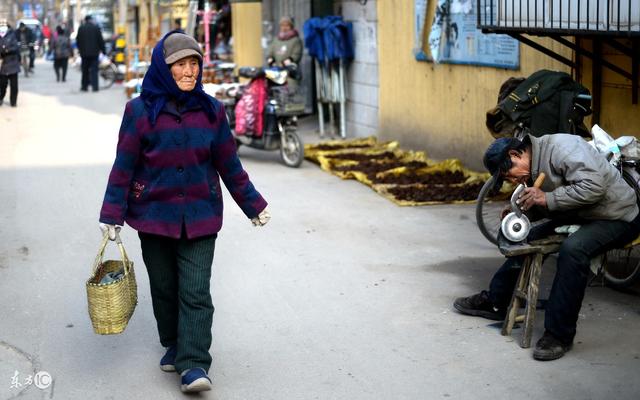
x,y
158,86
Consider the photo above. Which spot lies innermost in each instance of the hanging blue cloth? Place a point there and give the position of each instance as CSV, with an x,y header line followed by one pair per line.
x,y
313,38
338,38
158,86
329,38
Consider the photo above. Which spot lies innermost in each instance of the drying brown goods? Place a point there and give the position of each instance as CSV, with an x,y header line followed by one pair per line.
x,y
411,177
436,193
407,178
326,147
371,168
362,156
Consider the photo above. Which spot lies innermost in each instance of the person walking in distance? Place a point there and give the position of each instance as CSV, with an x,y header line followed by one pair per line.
x,y
90,45
9,63
61,48
25,38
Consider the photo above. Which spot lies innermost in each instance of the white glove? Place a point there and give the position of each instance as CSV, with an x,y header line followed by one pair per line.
x,y
262,218
110,229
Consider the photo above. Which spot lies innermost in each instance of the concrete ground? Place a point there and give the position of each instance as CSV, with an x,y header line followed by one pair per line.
x,y
343,295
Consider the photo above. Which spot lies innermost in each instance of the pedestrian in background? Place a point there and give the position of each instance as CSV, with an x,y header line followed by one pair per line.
x,y
61,49
286,48
10,63
174,146
26,39
90,45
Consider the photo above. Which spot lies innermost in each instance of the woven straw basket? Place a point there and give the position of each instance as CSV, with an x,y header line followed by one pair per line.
x,y
111,304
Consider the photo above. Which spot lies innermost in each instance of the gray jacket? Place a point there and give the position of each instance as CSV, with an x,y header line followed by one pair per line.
x,y
580,181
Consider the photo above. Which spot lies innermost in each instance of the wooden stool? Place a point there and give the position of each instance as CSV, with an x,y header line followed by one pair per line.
x,y
527,285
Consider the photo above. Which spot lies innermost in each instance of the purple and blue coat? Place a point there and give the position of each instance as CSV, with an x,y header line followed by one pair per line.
x,y
166,177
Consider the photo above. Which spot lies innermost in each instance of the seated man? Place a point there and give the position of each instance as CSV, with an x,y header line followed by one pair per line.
x,y
580,188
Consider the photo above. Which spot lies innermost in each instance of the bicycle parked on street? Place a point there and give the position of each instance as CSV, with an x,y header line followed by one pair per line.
x,y
107,72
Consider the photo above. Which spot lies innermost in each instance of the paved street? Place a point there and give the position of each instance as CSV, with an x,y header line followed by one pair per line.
x,y
343,295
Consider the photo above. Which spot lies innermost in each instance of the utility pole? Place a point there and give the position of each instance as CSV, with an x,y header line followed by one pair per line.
x,y
122,13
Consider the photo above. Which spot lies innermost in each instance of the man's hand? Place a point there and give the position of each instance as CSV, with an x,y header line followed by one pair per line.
x,y
531,196
110,229
261,219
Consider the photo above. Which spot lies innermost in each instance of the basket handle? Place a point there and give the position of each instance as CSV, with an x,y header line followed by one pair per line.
x,y
102,248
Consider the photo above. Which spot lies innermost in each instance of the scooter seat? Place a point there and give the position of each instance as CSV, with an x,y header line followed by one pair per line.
x,y
250,72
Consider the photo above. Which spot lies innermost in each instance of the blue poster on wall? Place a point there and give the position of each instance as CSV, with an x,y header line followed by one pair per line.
x,y
455,39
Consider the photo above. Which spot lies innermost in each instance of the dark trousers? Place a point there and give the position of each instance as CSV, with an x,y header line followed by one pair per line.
x,y
13,80
32,57
60,65
570,282
179,276
90,73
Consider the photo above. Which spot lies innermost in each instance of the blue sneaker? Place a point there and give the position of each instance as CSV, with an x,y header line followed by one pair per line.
x,y
168,362
195,380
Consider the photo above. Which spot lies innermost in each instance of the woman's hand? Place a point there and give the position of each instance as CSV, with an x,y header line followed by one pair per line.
x,y
262,218
531,196
111,230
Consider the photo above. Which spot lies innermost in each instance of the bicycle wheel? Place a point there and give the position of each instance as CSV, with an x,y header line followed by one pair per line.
x,y
622,266
488,212
108,76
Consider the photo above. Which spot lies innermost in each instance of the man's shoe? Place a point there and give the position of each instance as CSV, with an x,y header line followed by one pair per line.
x,y
84,90
479,305
195,380
168,361
550,348
1,101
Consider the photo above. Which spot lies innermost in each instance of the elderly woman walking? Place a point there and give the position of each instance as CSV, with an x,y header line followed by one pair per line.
x,y
174,145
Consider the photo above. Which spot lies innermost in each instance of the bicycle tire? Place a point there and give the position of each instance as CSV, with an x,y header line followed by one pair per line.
x,y
621,267
108,76
488,213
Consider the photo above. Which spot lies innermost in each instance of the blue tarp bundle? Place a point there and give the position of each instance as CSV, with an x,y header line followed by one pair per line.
x,y
329,38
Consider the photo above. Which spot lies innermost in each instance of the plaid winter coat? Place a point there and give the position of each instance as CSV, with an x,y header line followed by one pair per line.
x,y
166,175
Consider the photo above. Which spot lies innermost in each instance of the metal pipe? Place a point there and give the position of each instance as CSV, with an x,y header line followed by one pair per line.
x,y
593,55
596,77
343,101
542,49
319,97
634,70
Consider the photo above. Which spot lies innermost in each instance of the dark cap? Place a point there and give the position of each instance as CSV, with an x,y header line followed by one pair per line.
x,y
178,46
497,160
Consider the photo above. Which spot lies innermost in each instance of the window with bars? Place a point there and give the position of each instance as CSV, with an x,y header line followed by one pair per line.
x,y
570,17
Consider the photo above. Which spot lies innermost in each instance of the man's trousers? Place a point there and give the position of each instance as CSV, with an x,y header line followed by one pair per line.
x,y
574,259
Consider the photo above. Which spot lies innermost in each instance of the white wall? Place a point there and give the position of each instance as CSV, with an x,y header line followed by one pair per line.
x,y
362,78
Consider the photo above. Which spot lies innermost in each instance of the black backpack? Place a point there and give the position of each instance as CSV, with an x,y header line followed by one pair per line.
x,y
546,102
